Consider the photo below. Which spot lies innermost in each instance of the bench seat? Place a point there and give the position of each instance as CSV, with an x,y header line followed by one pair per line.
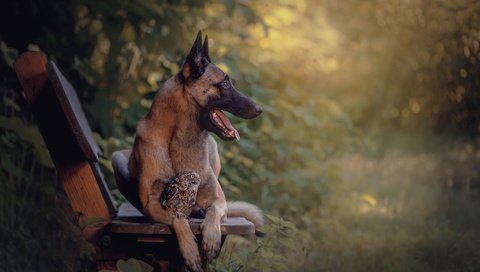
x,y
130,220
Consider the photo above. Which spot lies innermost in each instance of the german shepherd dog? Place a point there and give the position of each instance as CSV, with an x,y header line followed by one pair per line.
x,y
173,137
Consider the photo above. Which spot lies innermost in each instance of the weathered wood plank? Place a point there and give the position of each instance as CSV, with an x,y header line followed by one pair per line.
x,y
130,220
85,197
73,111
73,168
31,72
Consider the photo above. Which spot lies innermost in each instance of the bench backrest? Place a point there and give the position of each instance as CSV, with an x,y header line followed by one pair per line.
x,y
68,137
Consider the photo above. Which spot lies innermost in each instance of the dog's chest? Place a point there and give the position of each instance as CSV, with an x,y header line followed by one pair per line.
x,y
188,155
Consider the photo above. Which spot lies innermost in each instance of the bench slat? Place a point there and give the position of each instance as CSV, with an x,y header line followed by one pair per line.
x,y
73,111
130,220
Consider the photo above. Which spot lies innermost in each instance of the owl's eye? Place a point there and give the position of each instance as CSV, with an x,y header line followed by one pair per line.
x,y
192,176
225,84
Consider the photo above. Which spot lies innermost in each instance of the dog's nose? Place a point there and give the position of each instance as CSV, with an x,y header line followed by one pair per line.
x,y
258,109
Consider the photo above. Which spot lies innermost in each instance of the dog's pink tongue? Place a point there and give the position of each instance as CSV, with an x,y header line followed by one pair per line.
x,y
227,124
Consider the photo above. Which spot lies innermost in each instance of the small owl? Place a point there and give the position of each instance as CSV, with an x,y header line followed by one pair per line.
x,y
180,193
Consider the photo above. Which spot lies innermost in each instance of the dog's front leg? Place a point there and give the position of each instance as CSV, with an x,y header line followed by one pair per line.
x,y
186,240
187,244
211,232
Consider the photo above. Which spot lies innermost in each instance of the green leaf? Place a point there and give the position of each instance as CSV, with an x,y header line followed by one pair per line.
x,y
288,243
107,164
102,108
272,218
93,222
10,102
133,265
145,266
128,266
9,54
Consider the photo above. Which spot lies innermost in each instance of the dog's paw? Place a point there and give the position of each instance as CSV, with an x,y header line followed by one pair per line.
x,y
212,239
193,262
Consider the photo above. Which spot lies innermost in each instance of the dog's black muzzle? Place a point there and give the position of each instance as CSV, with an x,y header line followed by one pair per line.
x,y
237,104
232,101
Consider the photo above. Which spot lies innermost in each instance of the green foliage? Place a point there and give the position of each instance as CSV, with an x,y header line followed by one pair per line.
x,y
389,214
92,222
284,248
133,265
37,229
28,134
412,64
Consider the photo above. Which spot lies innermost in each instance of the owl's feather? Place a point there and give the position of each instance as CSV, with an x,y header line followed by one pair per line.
x,y
180,194
168,193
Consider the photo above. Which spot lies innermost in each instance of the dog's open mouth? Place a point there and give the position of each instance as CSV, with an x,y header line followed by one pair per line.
x,y
221,121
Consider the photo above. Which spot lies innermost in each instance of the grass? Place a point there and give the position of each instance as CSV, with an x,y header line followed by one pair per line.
x,y
410,207
405,210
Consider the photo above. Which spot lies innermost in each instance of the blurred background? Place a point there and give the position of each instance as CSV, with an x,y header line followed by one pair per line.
x,y
365,158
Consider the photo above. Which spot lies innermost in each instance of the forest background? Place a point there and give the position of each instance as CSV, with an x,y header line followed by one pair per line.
x,y
365,158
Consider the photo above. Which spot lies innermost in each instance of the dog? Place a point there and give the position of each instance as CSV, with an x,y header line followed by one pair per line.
x,y
174,137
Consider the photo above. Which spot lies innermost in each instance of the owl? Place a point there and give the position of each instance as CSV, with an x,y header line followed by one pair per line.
x,y
180,193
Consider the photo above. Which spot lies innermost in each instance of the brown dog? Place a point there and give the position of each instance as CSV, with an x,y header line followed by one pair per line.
x,y
173,137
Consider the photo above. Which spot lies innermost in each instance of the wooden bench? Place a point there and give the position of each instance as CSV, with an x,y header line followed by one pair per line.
x,y
124,232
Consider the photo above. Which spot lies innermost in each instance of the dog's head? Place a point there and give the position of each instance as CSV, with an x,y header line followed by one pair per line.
x,y
212,90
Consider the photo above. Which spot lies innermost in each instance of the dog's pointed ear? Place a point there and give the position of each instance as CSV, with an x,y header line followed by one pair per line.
x,y
195,63
205,49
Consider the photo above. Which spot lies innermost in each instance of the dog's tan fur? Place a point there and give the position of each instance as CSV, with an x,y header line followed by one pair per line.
x,y
168,141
